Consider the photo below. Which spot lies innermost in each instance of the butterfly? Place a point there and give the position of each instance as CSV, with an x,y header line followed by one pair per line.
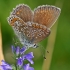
x,y
31,27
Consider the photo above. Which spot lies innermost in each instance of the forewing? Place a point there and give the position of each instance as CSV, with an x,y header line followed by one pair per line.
x,y
19,27
46,15
24,12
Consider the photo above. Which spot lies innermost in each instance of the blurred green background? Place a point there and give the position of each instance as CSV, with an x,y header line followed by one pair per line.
x,y
60,58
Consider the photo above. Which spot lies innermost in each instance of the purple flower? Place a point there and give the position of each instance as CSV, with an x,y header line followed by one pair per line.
x,y
18,51
22,50
27,67
20,57
29,57
5,66
19,62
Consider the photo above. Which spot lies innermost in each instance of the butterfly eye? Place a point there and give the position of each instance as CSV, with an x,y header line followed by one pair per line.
x,y
36,46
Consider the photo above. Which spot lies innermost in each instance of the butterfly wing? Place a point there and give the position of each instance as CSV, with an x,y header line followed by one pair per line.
x,y
18,19
46,15
24,12
20,28
32,32
36,31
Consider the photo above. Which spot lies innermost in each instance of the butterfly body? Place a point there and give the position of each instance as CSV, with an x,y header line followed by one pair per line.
x,y
33,27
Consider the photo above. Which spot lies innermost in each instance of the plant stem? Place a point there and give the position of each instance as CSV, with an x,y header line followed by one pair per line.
x,y
1,51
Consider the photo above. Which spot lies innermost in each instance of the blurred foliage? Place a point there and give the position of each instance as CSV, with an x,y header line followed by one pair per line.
x,y
61,54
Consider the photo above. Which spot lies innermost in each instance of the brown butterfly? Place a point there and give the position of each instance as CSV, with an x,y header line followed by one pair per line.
x,y
31,27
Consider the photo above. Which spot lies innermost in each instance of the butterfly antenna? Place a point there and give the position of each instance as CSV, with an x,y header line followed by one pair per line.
x,y
43,49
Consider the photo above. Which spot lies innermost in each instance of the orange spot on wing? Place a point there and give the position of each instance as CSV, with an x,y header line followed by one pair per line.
x,y
17,13
13,21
